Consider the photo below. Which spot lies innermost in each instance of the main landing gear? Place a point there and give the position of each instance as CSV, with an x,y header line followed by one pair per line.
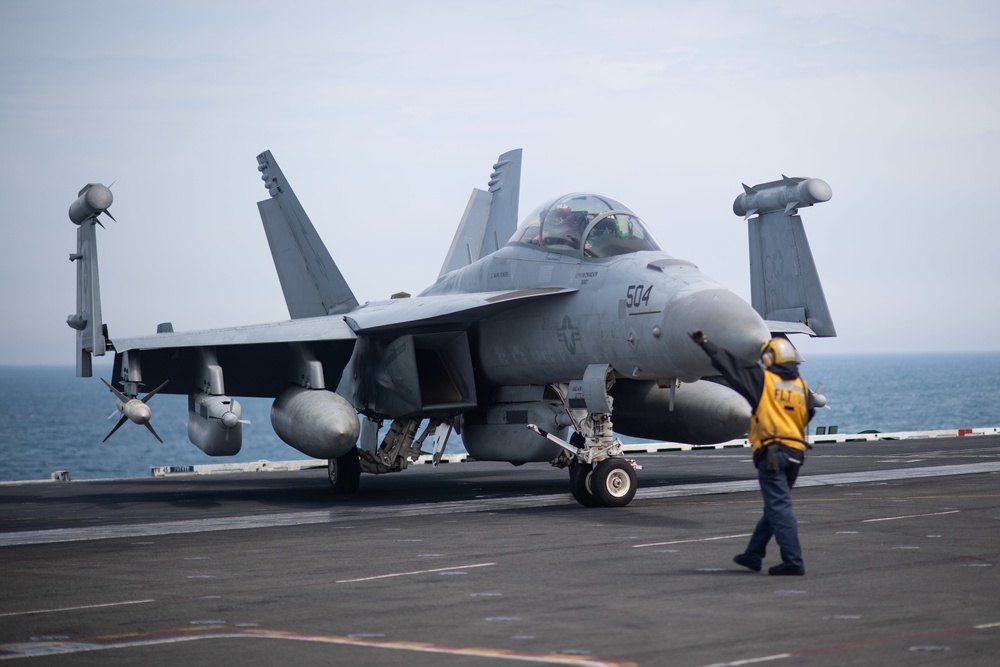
x,y
398,449
345,473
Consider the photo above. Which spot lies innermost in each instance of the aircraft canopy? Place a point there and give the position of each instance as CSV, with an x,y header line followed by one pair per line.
x,y
606,227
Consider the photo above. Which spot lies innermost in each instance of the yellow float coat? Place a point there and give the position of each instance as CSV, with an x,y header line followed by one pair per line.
x,y
781,414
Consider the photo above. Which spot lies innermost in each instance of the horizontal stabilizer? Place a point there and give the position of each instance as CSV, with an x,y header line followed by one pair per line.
x,y
310,280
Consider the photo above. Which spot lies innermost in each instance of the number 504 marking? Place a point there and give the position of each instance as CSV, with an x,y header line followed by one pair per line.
x,y
637,295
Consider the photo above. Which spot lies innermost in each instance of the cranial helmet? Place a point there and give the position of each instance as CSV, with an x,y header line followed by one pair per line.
x,y
782,349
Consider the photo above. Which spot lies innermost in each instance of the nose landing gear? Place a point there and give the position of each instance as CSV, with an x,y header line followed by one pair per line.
x,y
599,476
611,483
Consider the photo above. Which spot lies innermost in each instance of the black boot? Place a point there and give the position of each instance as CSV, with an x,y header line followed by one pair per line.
x,y
741,559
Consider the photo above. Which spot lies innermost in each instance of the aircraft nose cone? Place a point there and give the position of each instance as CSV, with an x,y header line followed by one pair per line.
x,y
727,320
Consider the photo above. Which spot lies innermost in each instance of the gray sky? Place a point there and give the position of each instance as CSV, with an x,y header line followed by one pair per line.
x,y
385,115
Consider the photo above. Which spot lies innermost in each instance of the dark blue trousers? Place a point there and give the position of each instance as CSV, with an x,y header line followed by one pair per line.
x,y
778,520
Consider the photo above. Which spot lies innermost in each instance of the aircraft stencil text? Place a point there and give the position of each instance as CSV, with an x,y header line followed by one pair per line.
x,y
637,295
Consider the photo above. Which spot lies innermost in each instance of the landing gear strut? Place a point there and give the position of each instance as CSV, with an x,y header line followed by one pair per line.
x,y
398,449
599,476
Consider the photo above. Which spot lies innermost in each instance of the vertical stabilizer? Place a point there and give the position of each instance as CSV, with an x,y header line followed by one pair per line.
x,y
490,218
784,284
470,233
310,280
93,200
505,186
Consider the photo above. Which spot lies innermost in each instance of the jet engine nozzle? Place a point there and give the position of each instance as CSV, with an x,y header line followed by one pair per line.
x,y
94,199
726,319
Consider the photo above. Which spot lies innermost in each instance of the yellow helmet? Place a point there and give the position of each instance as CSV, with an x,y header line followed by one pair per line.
x,y
782,349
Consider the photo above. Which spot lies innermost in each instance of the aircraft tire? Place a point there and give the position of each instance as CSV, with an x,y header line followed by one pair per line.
x,y
580,484
345,473
614,482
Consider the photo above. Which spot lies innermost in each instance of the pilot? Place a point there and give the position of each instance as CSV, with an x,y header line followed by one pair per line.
x,y
551,222
564,227
782,407
573,226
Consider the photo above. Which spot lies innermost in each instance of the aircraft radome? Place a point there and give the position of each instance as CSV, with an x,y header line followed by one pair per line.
x,y
573,319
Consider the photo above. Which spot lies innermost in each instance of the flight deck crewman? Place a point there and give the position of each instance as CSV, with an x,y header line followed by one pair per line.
x,y
782,407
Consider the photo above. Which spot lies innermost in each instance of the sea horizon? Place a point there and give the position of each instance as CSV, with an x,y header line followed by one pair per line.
x,y
51,420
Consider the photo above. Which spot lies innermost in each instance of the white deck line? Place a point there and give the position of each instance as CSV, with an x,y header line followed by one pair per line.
x,y
644,448
478,505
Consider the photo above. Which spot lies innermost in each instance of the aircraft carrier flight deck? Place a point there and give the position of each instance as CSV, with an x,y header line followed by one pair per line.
x,y
484,564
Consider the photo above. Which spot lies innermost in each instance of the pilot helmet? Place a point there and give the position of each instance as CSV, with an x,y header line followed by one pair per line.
x,y
784,352
559,212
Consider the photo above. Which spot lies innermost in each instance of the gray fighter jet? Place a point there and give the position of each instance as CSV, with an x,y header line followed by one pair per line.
x,y
575,319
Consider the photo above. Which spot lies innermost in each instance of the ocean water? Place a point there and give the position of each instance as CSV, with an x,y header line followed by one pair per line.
x,y
51,420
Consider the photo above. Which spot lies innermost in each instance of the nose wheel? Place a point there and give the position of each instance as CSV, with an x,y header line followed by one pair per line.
x,y
614,482
610,483
581,477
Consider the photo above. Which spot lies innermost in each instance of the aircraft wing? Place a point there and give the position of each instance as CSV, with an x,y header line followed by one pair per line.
x,y
260,360
440,310
320,329
784,284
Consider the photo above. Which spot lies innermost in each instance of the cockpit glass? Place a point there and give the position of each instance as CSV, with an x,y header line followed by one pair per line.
x,y
587,224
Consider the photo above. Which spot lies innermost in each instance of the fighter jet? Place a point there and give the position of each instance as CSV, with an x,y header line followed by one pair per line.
x,y
573,321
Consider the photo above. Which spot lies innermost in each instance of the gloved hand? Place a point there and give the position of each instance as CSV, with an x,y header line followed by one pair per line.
x,y
698,336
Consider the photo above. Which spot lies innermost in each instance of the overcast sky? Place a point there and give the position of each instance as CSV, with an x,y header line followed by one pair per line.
x,y
385,115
